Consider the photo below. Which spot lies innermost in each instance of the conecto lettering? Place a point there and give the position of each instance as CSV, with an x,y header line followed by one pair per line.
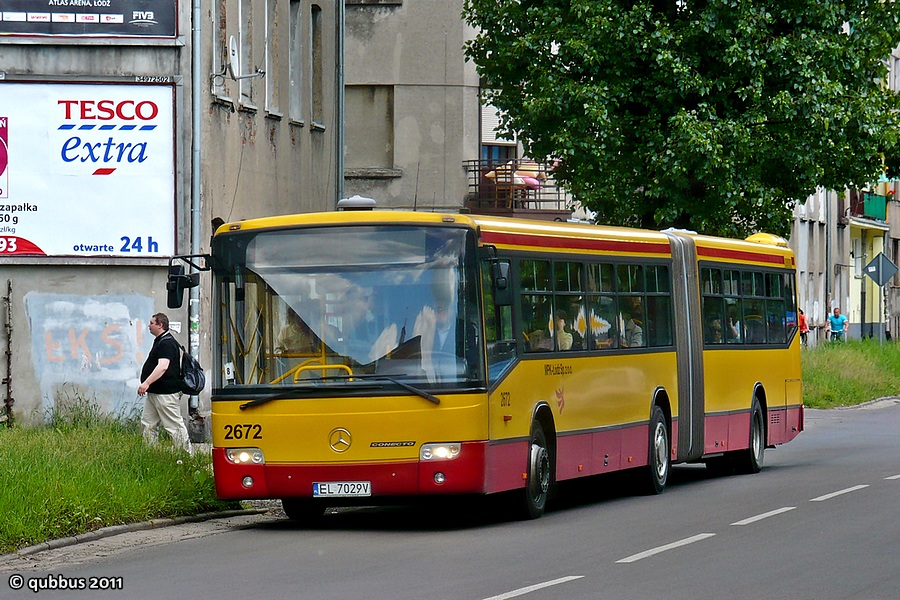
x,y
107,110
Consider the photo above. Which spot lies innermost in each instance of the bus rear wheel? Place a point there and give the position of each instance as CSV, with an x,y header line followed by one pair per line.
x,y
751,460
656,472
303,510
538,475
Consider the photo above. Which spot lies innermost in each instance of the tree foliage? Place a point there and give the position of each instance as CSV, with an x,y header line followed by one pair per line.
x,y
713,115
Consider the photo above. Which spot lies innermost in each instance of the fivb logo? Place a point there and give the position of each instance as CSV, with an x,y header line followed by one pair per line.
x,y
143,17
4,158
134,116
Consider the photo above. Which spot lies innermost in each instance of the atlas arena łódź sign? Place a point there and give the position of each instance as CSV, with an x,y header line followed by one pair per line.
x,y
89,18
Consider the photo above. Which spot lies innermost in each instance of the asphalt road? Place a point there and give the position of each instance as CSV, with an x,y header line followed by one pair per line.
x,y
821,521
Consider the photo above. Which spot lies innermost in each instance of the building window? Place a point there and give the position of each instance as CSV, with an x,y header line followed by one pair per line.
x,y
317,83
245,50
295,60
272,56
219,47
370,134
497,154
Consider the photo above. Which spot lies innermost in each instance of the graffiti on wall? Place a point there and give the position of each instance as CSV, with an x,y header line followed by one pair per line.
x,y
89,346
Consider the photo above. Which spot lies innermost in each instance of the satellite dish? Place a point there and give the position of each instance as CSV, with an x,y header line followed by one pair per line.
x,y
234,58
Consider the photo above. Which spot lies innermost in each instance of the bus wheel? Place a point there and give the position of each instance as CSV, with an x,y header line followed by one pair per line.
x,y
657,470
751,459
303,510
537,484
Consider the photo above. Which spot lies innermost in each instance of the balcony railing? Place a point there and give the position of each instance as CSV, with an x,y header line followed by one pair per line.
x,y
518,187
868,206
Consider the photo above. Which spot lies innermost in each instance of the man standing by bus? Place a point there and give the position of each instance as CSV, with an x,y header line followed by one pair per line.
x,y
838,324
159,385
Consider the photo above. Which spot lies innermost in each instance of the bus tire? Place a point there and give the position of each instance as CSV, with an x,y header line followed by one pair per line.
x,y
751,460
538,476
656,473
303,510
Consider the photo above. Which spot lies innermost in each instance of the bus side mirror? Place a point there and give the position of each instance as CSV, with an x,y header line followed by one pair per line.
x,y
500,277
177,283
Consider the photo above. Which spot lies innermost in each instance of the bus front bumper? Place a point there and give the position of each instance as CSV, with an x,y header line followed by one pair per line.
x,y
464,474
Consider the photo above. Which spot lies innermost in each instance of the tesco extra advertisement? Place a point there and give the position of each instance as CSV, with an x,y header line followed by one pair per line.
x,y
87,169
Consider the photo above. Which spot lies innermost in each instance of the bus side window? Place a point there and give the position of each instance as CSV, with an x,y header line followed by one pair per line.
x,y
538,336
712,321
498,329
659,321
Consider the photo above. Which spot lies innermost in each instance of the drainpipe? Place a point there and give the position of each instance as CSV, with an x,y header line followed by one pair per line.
x,y
340,11
196,83
829,265
862,284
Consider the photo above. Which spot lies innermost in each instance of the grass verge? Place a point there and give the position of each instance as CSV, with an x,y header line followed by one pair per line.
x,y
83,471
850,373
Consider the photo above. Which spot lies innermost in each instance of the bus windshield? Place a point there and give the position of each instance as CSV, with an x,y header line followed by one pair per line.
x,y
326,304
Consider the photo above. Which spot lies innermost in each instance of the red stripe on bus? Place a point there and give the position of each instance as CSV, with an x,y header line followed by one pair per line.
x,y
740,255
104,171
539,241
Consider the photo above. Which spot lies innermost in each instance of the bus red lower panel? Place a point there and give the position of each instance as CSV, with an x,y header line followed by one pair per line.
x,y
604,451
462,475
731,431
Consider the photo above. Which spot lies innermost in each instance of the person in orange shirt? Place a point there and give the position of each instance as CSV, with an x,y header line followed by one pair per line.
x,y
804,328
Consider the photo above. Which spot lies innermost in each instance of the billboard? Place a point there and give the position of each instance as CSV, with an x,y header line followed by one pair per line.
x,y
87,169
89,18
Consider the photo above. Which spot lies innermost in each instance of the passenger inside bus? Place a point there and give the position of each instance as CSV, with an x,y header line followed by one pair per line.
x,y
296,338
564,339
442,330
632,329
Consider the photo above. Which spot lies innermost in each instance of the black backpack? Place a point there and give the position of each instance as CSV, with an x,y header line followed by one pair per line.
x,y
191,379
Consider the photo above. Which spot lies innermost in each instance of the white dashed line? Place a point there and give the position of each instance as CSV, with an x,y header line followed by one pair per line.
x,y
534,588
672,546
893,477
771,513
839,493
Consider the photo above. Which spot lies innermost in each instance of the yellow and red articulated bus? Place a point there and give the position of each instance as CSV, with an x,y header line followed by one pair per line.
x,y
367,357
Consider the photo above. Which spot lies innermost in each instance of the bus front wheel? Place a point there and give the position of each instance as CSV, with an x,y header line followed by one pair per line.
x,y
538,477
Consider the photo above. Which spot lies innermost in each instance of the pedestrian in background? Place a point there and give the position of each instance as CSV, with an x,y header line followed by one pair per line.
x,y
159,386
838,324
804,328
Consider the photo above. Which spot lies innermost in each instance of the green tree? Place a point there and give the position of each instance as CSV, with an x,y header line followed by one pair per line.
x,y
713,115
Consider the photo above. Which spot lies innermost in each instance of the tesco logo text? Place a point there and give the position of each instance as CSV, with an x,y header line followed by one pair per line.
x,y
107,110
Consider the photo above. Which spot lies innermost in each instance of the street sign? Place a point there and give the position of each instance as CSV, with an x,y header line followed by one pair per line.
x,y
881,269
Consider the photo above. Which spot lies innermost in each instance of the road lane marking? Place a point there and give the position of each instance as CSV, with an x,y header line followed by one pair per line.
x,y
771,513
534,588
893,477
672,546
839,493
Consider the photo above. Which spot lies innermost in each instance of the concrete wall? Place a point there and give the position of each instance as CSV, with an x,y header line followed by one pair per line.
x,y
832,248
76,327
415,49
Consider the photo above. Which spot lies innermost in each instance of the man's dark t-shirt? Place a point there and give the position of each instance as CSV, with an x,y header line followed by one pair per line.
x,y
164,346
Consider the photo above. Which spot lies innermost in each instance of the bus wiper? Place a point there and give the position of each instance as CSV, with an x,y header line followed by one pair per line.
x,y
280,395
405,386
270,397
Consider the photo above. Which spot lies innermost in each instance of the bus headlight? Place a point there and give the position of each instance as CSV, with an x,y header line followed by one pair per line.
x,y
446,451
245,456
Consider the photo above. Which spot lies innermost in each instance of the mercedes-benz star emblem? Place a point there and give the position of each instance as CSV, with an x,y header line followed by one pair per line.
x,y
340,439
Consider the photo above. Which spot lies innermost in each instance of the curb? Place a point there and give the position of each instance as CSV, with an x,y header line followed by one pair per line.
x,y
119,529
